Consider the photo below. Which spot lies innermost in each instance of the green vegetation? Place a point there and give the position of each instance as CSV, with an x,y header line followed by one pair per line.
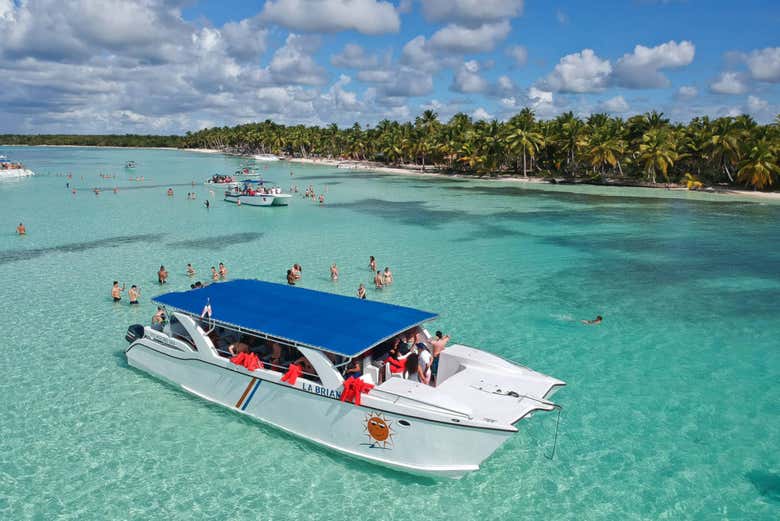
x,y
643,148
108,140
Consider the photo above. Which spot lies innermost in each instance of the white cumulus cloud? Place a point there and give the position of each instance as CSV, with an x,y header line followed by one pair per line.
x,y
729,83
364,16
468,80
641,68
616,105
481,114
471,12
687,92
764,64
460,39
354,57
579,72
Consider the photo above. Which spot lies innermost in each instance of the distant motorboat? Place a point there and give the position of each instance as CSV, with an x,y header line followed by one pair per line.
x,y
266,157
224,181
13,170
130,164
248,172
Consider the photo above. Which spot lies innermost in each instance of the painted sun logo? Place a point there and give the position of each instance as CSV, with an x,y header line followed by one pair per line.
x,y
378,430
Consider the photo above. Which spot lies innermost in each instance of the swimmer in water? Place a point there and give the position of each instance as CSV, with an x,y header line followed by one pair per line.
x,y
190,270
21,230
134,293
322,199
362,292
170,192
387,276
372,263
214,274
334,272
378,280
593,322
116,291
222,271
207,204
162,275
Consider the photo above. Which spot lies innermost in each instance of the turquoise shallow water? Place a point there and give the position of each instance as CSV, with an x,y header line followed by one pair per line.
x,y
671,409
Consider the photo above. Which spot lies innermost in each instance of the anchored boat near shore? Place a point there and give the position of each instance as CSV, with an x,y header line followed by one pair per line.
x,y
307,340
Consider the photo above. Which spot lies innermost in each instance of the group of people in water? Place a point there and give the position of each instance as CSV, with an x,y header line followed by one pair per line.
x,y
380,280
133,293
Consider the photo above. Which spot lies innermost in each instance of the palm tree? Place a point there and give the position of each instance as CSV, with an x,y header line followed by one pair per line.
x,y
657,153
759,166
526,141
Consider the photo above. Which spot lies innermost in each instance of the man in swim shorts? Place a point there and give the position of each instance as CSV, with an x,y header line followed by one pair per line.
x,y
21,230
116,291
438,344
134,293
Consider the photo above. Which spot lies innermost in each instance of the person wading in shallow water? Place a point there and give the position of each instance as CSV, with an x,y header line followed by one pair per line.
x,y
21,230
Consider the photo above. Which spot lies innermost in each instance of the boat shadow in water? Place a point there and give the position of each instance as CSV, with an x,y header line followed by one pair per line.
x,y
8,256
217,242
767,483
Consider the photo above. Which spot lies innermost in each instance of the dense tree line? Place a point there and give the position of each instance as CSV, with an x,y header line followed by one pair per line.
x,y
107,140
646,147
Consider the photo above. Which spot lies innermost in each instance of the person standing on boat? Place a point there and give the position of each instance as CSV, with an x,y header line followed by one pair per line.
x,y
334,272
158,320
162,275
439,344
134,293
116,291
361,292
21,230
424,359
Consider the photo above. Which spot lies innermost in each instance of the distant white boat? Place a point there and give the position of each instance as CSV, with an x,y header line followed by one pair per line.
x,y
13,170
266,157
130,164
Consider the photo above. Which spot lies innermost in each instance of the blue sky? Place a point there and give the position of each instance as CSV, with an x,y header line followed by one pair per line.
x,y
163,66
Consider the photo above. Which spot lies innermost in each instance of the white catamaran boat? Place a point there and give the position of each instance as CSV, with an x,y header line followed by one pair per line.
x,y
13,169
446,430
266,157
257,193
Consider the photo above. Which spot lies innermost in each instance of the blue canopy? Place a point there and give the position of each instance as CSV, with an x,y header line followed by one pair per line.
x,y
343,325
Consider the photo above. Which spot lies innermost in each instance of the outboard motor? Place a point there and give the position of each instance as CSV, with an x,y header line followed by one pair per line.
x,y
134,332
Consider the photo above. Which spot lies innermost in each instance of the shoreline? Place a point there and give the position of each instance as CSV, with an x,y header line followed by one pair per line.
x,y
367,166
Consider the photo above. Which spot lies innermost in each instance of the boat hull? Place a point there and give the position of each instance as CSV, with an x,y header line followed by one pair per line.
x,y
15,173
312,412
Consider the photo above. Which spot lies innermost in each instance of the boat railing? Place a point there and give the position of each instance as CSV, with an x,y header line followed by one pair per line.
x,y
396,398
